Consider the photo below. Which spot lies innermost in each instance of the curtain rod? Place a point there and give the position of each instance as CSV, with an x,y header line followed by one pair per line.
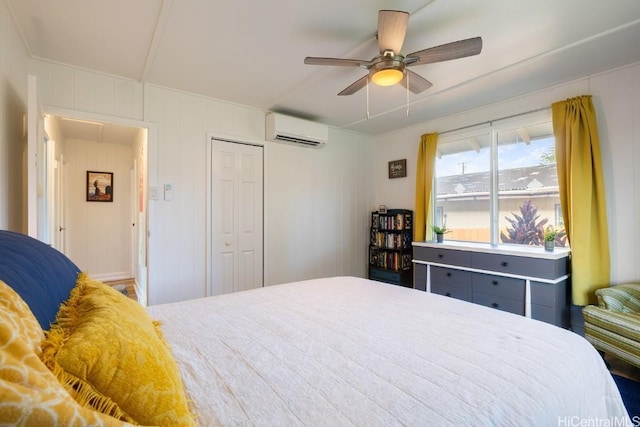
x,y
494,120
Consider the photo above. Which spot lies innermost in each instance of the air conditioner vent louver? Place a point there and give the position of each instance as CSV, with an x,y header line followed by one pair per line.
x,y
292,130
297,140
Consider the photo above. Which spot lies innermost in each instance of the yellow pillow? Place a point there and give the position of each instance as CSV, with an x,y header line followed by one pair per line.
x,y
26,324
110,355
29,393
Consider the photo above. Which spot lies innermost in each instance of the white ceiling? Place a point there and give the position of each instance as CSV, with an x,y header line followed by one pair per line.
x,y
252,53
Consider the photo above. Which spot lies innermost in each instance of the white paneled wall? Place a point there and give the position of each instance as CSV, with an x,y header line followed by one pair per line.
x,y
616,96
72,88
318,208
98,233
316,201
13,104
177,228
617,101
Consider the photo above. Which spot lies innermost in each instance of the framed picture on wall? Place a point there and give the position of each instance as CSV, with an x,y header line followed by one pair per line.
x,y
99,186
398,168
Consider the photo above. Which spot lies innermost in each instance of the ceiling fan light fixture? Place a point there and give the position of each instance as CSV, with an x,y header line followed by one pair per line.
x,y
387,77
390,66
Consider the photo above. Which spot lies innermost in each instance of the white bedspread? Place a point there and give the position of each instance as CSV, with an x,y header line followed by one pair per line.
x,y
349,351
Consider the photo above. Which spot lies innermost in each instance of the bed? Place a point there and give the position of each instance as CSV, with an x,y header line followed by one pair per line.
x,y
350,351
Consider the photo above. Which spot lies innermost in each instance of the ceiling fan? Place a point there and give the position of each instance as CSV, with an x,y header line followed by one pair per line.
x,y
390,67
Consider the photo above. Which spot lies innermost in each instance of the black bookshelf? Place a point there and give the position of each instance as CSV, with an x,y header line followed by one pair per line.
x,y
390,249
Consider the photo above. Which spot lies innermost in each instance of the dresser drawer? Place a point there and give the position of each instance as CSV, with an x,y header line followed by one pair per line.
x,y
500,303
520,265
558,315
442,256
548,294
507,287
451,277
451,291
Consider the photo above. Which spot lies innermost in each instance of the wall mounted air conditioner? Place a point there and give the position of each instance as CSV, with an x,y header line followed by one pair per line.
x,y
281,128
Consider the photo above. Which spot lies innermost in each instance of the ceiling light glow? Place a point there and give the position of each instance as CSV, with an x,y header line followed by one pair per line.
x,y
387,77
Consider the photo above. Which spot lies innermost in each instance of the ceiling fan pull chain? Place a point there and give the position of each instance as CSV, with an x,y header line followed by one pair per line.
x,y
408,111
367,97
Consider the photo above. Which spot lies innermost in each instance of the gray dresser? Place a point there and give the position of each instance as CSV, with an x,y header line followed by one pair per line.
x,y
526,280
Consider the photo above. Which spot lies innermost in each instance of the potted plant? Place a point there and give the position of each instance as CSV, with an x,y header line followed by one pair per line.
x,y
440,232
550,235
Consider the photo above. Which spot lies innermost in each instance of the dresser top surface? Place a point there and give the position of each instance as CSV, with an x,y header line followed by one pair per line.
x,y
516,250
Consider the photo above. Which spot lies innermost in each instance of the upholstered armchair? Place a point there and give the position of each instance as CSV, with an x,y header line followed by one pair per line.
x,y
613,326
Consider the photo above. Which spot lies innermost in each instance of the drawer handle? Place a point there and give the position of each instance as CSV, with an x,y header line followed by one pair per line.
x,y
448,274
504,263
440,256
495,305
494,283
448,294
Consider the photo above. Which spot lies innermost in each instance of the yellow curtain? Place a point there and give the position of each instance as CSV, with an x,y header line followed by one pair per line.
x,y
582,195
424,179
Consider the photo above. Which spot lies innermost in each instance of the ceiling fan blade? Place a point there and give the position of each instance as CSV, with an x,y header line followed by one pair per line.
x,y
312,60
392,27
445,52
355,86
417,83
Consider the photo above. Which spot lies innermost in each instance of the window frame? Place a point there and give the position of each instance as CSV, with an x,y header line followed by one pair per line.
x,y
492,128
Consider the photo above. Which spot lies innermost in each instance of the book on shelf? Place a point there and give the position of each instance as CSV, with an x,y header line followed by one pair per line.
x,y
390,245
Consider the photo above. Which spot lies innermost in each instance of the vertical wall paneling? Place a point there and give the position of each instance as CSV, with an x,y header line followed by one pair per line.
x,y
322,208
13,103
63,86
84,90
616,96
99,233
91,92
314,226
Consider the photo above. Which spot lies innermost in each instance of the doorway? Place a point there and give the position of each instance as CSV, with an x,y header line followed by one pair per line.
x,y
101,237
236,207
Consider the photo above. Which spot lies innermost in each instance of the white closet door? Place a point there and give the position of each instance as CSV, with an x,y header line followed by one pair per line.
x,y
237,217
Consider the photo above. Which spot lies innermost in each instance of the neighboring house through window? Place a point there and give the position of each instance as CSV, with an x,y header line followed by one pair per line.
x,y
498,183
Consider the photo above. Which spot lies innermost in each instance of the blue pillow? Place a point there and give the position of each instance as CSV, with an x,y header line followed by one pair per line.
x,y
40,274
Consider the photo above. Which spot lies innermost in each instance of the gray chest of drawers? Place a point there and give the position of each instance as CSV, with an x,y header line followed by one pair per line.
x,y
526,281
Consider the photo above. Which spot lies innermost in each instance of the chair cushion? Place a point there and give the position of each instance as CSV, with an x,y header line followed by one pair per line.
x,y
40,274
614,333
623,324
621,298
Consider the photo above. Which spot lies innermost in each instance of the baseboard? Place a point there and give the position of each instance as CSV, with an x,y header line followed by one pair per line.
x,y
110,277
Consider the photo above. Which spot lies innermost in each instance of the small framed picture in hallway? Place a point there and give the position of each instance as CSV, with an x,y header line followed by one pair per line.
x,y
99,186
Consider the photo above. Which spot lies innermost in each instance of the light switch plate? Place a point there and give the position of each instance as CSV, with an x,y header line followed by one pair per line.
x,y
168,192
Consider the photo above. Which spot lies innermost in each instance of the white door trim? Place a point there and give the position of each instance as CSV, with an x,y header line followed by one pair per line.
x,y
33,111
151,147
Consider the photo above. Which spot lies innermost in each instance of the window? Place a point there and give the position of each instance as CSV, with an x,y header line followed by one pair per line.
x,y
498,183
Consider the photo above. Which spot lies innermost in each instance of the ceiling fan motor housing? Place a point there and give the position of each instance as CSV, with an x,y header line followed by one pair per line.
x,y
387,70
